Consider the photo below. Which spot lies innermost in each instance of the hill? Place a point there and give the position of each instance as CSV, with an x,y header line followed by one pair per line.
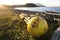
x,y
39,4
29,5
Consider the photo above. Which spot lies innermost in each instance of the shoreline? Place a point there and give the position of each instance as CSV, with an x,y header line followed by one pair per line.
x,y
47,12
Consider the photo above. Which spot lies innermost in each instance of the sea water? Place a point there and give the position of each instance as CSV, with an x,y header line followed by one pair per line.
x,y
40,9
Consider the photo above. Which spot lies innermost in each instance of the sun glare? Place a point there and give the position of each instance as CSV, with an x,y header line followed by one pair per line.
x,y
11,2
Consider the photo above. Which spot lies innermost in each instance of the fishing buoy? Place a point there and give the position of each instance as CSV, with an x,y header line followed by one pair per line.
x,y
36,26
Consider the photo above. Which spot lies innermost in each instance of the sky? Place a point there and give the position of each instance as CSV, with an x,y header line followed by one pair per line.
x,y
49,3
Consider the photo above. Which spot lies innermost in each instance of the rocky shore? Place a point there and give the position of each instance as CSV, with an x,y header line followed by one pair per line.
x,y
13,28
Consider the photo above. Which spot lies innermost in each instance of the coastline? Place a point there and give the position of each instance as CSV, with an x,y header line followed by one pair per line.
x,y
11,24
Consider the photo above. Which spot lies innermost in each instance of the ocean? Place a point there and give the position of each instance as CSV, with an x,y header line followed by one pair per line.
x,y
40,9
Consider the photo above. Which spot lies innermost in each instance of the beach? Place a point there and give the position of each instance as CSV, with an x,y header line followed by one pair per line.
x,y
13,28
